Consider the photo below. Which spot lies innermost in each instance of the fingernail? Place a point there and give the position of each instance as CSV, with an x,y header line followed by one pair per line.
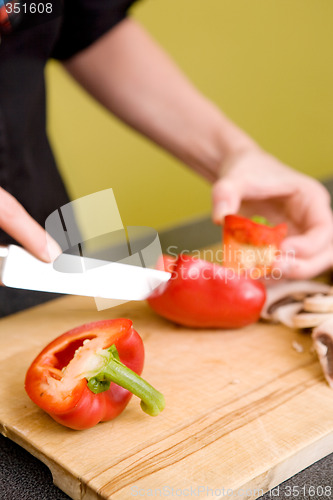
x,y
52,249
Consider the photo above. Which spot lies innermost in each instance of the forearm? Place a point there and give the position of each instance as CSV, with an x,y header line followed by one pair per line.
x,y
133,78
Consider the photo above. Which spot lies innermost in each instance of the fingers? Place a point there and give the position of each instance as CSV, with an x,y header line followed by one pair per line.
x,y
317,224
310,243
16,222
226,199
297,268
246,179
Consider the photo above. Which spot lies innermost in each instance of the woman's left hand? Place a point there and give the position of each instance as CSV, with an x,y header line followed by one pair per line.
x,y
253,182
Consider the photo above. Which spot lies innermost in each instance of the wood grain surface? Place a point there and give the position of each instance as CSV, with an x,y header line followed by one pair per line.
x,y
244,409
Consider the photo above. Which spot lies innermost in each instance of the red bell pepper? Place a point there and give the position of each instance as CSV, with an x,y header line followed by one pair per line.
x,y
251,244
88,375
200,294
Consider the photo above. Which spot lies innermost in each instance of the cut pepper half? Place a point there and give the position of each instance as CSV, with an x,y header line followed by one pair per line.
x,y
251,244
89,374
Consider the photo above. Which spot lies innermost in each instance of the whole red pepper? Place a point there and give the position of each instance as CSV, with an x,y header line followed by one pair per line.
x,y
88,375
201,294
251,244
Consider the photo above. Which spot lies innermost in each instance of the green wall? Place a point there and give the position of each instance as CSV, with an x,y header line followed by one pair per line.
x,y
266,63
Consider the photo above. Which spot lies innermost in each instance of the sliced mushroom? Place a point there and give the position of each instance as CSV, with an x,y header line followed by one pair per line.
x,y
319,303
323,344
286,313
309,320
290,292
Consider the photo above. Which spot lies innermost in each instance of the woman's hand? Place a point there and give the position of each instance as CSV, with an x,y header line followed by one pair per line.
x,y
253,182
16,221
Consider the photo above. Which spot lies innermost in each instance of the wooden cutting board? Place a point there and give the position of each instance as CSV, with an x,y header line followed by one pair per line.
x,y
244,412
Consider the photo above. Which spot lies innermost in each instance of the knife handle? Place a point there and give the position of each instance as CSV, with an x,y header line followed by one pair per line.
x,y
4,249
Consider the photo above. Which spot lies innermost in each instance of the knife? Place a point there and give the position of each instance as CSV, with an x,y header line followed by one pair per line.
x,y
96,278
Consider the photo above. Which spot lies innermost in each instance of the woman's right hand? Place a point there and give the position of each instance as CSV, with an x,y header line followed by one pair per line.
x,y
16,222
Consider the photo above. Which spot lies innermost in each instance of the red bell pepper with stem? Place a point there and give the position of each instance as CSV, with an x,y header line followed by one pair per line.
x,y
200,294
251,244
88,375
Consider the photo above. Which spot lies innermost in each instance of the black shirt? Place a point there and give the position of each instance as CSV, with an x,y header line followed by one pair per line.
x,y
27,166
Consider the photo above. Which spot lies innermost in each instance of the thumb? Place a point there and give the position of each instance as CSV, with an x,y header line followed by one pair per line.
x,y
226,199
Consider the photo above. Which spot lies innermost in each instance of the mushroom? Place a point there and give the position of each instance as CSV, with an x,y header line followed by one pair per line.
x,y
285,314
309,320
286,300
319,302
305,304
323,343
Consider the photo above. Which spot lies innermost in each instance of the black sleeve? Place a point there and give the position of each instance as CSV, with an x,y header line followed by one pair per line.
x,y
84,21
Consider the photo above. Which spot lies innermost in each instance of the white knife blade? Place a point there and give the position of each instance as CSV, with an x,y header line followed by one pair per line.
x,y
110,280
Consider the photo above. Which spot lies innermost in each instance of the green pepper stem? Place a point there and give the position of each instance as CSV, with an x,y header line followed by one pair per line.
x,y
152,401
259,219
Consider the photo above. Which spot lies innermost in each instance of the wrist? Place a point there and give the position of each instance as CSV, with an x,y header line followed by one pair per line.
x,y
218,141
238,154
234,143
